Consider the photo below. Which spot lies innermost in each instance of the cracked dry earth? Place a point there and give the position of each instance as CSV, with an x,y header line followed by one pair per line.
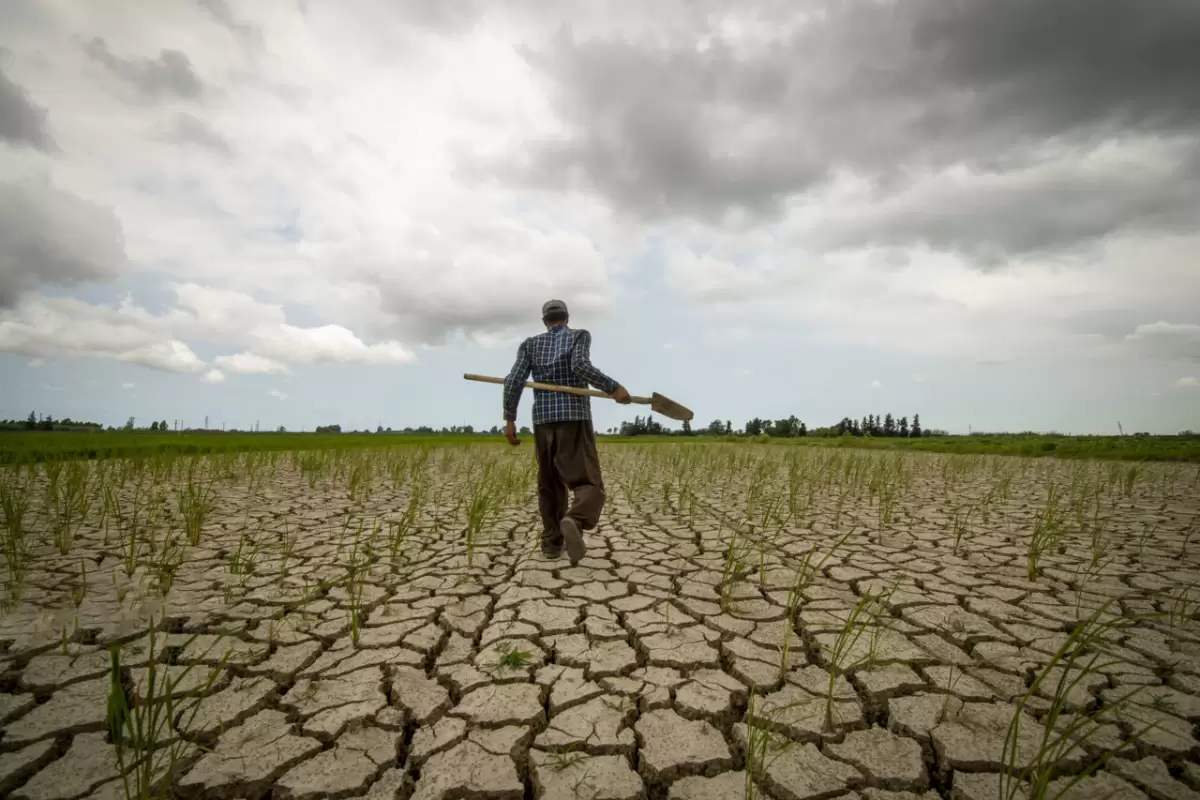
x,y
629,675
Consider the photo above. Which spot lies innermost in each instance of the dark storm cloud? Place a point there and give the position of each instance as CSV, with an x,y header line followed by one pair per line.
x,y
22,121
51,237
647,133
189,129
888,91
169,74
1023,212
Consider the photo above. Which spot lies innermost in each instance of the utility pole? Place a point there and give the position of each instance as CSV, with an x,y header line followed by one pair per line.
x,y
1122,430
206,422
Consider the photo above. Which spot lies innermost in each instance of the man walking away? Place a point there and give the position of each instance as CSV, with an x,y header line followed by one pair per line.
x,y
563,437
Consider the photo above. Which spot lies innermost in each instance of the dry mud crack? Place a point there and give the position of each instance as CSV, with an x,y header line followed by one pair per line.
x,y
787,624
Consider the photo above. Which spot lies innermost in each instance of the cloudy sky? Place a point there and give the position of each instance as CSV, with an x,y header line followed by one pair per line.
x,y
314,211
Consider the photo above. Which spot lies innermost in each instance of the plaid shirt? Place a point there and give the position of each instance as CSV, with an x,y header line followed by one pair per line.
x,y
560,356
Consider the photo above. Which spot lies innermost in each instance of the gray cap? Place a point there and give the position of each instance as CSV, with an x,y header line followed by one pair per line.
x,y
553,307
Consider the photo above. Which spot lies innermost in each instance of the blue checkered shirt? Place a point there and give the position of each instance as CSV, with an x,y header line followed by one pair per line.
x,y
560,356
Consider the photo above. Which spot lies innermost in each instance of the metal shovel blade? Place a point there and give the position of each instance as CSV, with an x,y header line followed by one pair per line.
x,y
669,408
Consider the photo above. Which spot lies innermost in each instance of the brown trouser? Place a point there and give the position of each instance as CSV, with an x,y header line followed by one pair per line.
x,y
567,459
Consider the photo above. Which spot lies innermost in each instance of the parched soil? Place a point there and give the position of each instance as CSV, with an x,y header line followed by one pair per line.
x,y
839,624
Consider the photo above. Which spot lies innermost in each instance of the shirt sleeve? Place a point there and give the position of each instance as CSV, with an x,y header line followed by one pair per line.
x,y
514,384
581,364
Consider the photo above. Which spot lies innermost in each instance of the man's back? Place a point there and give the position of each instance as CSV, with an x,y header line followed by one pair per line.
x,y
561,356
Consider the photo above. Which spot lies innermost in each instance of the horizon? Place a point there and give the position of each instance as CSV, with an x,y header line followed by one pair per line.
x,y
178,426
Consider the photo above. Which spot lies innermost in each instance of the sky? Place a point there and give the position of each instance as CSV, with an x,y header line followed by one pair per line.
x,y
306,212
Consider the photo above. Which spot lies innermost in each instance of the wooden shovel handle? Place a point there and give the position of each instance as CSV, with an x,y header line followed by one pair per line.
x,y
554,387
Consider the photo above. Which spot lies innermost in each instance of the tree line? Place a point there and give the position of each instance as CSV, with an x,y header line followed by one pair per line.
x,y
45,422
871,425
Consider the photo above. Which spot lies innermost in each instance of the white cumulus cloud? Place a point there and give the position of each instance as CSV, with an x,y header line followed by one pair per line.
x,y
250,364
49,326
326,344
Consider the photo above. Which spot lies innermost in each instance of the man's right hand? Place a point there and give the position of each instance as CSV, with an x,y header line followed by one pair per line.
x,y
510,433
621,395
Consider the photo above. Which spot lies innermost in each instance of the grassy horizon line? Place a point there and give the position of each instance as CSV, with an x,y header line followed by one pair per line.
x,y
33,446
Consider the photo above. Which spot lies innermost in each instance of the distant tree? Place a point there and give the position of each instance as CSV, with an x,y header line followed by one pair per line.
x,y
728,427
802,430
154,425
902,430
687,428
129,424
754,427
329,429
163,426
889,425
525,430
784,428
379,429
915,431
715,428
32,422
281,429
642,426
47,423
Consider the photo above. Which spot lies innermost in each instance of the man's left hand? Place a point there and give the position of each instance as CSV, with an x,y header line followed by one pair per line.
x,y
510,433
621,395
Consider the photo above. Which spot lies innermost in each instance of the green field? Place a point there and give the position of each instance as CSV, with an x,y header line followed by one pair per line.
x,y
27,446
1124,448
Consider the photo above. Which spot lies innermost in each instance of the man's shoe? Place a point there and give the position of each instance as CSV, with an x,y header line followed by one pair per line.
x,y
573,538
550,551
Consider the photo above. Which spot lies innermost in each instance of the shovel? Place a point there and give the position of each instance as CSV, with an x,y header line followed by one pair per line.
x,y
658,404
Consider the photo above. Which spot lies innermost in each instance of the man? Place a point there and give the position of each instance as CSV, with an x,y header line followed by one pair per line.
x,y
563,437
